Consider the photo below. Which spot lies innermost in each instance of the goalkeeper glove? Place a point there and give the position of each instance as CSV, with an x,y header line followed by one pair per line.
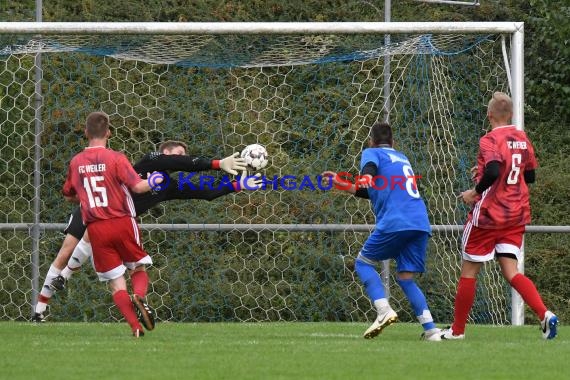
x,y
248,182
232,164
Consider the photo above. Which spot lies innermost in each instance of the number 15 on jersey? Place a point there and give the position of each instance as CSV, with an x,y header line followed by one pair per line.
x,y
96,193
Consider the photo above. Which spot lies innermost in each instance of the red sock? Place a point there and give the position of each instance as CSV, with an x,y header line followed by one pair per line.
x,y
463,303
123,302
44,299
529,294
139,281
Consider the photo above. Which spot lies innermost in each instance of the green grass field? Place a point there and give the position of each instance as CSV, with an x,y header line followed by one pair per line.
x,y
275,351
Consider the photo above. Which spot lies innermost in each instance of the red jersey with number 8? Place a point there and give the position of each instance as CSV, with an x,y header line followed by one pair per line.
x,y
506,202
101,178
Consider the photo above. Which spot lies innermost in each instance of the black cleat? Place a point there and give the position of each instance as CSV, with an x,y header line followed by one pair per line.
x,y
144,312
58,283
38,318
138,333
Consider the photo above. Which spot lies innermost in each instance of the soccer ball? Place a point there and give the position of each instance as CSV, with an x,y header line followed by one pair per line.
x,y
255,156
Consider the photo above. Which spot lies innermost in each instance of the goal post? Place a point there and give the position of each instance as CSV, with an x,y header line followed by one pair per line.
x,y
517,95
307,91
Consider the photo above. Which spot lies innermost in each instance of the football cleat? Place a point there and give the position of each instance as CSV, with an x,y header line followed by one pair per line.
x,y
549,325
380,323
432,335
447,334
58,283
144,312
38,318
137,333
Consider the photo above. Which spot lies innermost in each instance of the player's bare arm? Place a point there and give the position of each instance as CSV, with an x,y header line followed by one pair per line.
x,y
340,183
359,188
490,175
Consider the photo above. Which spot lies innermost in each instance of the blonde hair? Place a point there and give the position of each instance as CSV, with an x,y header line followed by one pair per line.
x,y
500,106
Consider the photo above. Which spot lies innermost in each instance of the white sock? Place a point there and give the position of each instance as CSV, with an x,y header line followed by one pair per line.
x,y
425,317
52,273
382,306
80,255
41,307
46,292
66,273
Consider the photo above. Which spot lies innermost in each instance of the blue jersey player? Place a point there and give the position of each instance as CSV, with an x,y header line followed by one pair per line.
x,y
401,233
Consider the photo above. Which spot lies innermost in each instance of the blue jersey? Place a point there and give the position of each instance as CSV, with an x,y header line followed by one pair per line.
x,y
395,198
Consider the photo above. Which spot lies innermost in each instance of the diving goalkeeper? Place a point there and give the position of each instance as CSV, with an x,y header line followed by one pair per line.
x,y
171,156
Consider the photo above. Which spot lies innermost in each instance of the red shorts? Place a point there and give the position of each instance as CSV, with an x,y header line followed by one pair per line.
x,y
116,246
481,244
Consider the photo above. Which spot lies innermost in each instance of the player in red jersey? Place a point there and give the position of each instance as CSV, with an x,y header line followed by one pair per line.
x,y
100,179
171,156
496,223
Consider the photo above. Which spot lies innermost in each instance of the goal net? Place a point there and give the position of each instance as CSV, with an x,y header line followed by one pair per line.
x,y
284,253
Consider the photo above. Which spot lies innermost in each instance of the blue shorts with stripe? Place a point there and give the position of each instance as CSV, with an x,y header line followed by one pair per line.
x,y
408,248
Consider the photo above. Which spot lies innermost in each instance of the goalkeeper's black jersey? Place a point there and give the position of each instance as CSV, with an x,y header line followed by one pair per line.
x,y
155,161
165,163
152,162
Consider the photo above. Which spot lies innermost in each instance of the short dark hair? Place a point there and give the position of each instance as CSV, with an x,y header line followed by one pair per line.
x,y
381,133
97,124
170,144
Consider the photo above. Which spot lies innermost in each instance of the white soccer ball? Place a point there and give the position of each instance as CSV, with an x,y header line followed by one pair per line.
x,y
256,156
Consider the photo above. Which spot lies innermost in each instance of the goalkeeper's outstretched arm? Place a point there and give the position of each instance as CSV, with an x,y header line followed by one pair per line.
x,y
175,162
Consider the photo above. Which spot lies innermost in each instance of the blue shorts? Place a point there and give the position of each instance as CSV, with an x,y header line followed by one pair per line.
x,y
408,248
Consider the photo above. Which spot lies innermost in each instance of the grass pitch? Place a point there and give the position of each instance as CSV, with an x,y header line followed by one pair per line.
x,y
275,351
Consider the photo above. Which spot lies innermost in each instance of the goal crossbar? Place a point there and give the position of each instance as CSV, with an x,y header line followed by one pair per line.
x,y
256,27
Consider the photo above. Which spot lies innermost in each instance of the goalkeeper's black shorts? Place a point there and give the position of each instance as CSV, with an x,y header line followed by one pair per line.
x,y
75,227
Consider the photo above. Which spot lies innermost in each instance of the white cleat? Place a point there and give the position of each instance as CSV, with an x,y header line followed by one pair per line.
x,y
447,334
380,323
549,325
433,335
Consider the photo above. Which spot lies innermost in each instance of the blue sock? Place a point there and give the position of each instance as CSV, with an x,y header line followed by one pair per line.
x,y
371,280
419,304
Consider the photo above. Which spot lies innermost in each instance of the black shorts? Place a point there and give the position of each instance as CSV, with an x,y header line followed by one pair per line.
x,y
75,227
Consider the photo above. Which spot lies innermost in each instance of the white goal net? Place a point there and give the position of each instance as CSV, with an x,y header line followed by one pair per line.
x,y
310,97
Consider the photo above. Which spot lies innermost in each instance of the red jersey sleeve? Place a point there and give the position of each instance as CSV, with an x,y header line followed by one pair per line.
x,y
68,189
489,150
532,163
126,172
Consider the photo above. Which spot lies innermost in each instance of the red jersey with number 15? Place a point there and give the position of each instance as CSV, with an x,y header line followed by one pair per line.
x,y
506,202
101,178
